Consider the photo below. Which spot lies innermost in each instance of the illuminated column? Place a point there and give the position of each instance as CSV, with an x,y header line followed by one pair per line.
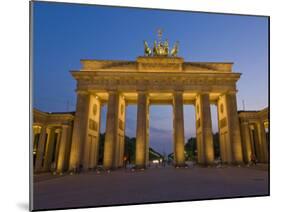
x,y
225,146
35,131
40,149
204,135
49,149
230,138
64,140
246,141
111,131
262,142
90,154
147,135
256,142
141,134
179,156
58,131
121,131
35,142
252,139
233,127
79,130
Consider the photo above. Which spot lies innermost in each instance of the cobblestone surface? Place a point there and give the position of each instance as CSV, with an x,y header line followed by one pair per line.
x,y
151,185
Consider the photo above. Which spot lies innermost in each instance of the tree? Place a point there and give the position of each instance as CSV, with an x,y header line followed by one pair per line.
x,y
129,150
216,141
101,148
190,148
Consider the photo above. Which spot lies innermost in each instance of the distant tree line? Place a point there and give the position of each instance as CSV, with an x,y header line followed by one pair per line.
x,y
190,147
129,149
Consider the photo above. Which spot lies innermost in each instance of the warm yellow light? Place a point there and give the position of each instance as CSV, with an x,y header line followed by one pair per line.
x,y
155,161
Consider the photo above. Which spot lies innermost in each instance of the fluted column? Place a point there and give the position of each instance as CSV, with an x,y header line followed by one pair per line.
x,y
35,142
111,131
79,130
229,127
233,127
121,131
49,149
61,162
246,141
262,142
204,135
179,156
141,134
225,145
40,149
256,142
58,131
90,150
252,139
147,134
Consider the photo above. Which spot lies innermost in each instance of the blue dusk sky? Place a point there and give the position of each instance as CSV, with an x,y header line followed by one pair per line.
x,y
65,33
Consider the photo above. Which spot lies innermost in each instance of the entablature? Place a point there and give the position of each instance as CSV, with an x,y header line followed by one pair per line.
x,y
45,118
155,64
155,81
254,116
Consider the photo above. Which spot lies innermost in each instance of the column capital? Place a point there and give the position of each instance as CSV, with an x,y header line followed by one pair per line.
x,y
229,92
177,91
142,92
94,95
112,91
57,130
82,92
65,126
245,122
37,126
50,127
202,93
259,123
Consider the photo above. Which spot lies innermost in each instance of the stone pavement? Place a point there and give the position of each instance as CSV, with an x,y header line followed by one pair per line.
x,y
151,185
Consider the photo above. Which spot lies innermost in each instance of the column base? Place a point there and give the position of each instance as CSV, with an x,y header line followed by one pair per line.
x,y
207,164
237,163
140,167
179,165
40,172
59,173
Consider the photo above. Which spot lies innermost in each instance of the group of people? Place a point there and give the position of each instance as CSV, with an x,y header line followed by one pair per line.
x,y
126,161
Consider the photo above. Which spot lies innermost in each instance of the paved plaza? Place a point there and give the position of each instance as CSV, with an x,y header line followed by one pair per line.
x,y
151,185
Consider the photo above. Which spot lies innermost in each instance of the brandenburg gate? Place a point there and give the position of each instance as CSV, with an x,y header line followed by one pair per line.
x,y
158,77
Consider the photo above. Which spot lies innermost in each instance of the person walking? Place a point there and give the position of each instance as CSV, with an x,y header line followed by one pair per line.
x,y
253,159
125,160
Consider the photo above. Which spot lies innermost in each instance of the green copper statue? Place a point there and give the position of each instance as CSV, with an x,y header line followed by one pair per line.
x,y
147,50
175,49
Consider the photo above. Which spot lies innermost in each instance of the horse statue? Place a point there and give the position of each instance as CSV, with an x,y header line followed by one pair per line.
x,y
147,50
155,52
166,48
175,49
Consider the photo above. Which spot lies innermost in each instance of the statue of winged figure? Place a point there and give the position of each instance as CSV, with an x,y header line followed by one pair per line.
x,y
147,50
175,49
